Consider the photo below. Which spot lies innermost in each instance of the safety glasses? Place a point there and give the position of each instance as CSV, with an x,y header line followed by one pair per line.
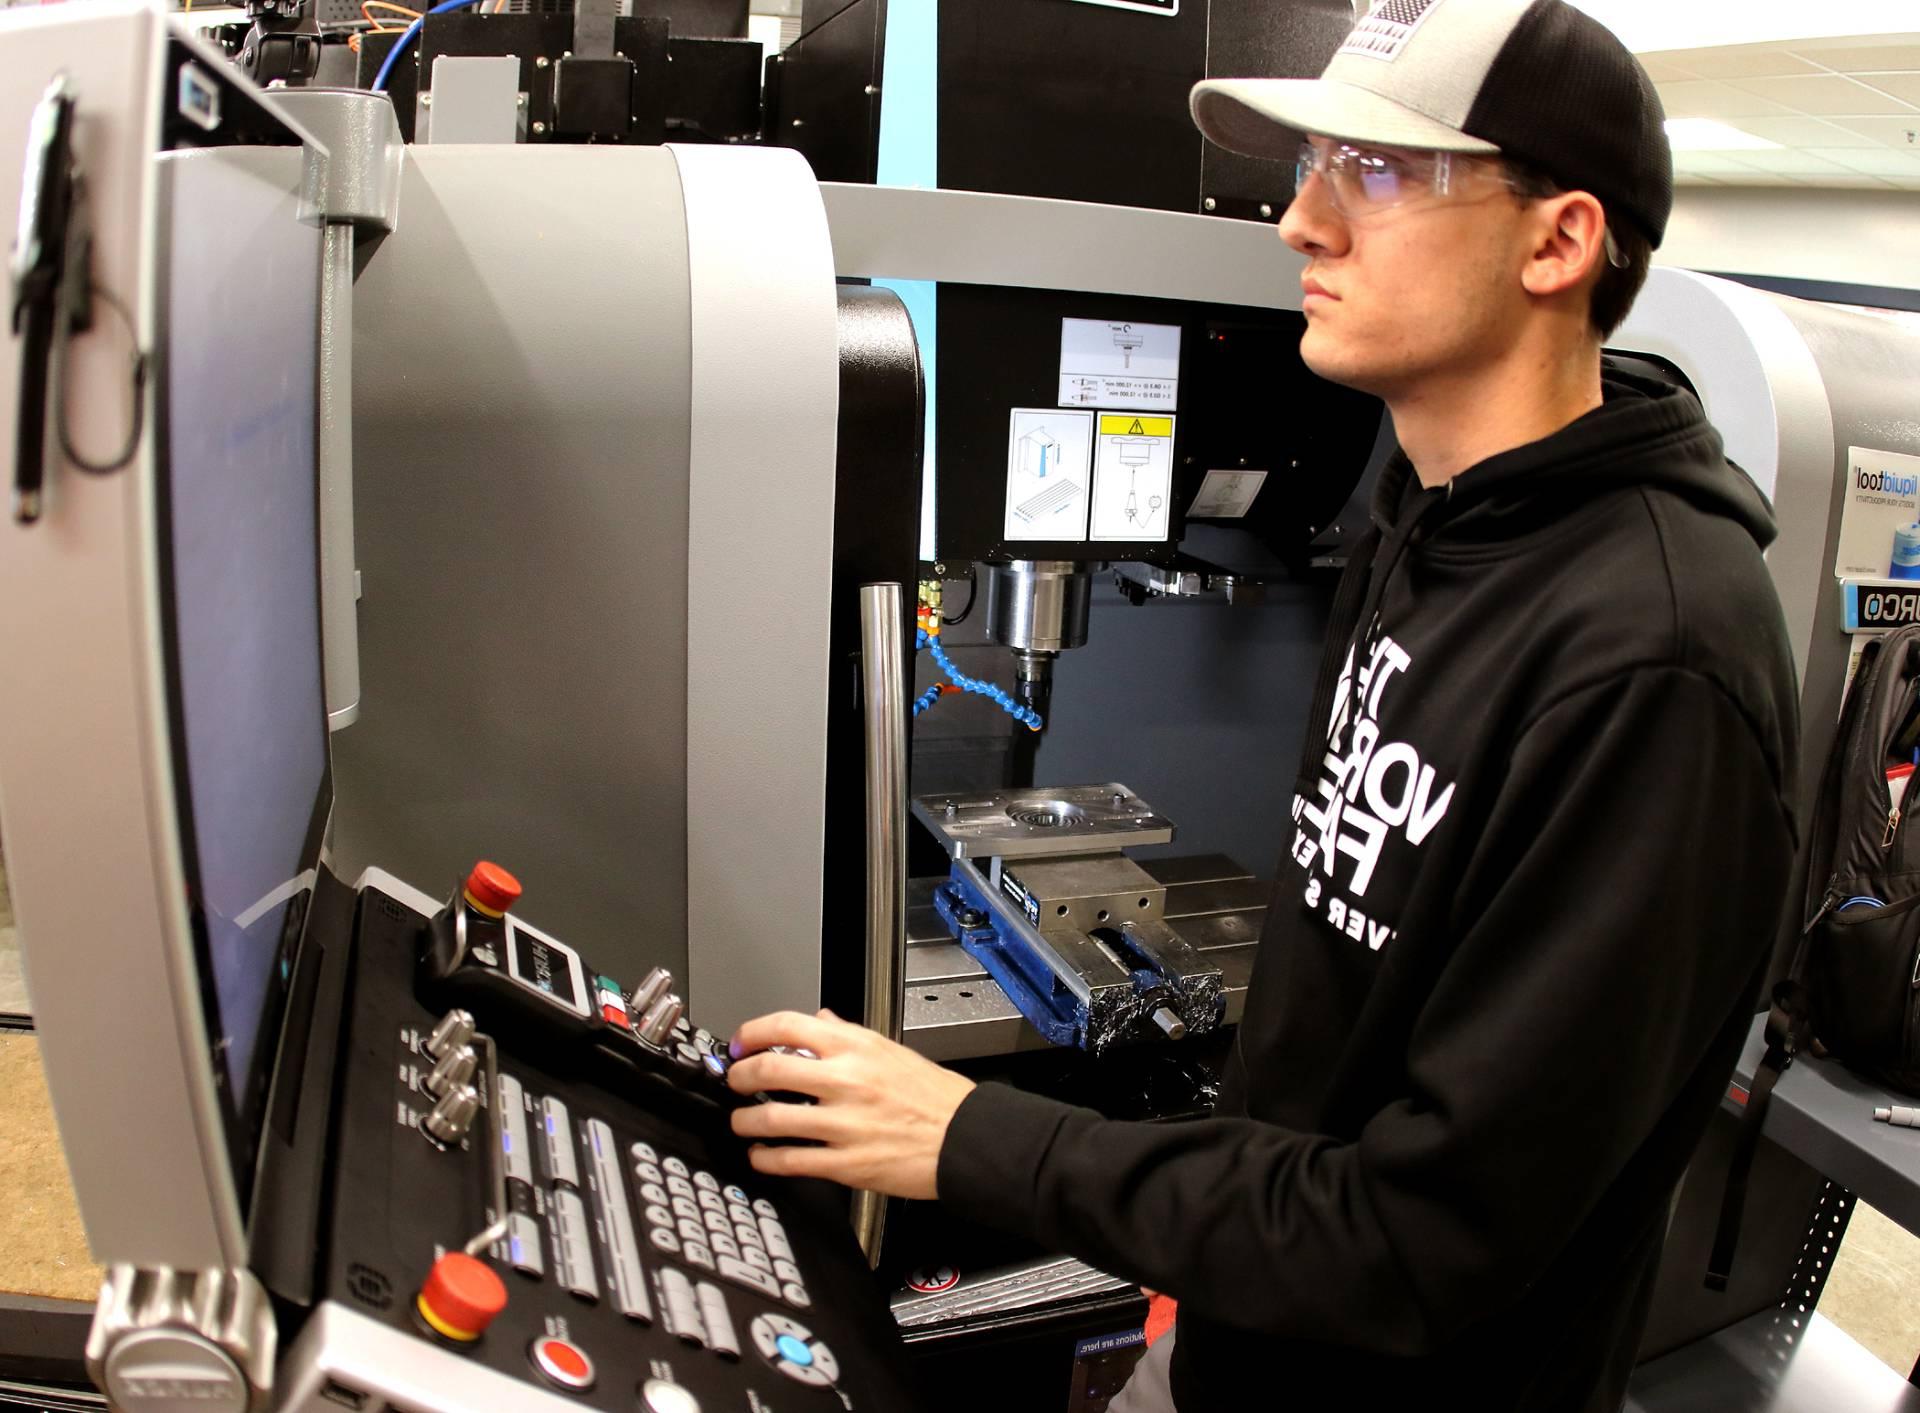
x,y
1364,181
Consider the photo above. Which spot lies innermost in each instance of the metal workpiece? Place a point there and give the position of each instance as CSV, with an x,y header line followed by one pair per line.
x,y
163,1338
360,184
1077,819
1081,892
1039,605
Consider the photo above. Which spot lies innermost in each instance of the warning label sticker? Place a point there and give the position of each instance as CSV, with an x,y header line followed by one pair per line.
x,y
1049,470
1116,363
1132,477
1226,495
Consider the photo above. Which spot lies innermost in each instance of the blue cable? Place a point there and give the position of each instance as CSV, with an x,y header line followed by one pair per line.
x,y
1026,716
400,44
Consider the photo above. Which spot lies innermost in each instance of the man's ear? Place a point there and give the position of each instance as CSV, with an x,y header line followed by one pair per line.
x,y
1569,235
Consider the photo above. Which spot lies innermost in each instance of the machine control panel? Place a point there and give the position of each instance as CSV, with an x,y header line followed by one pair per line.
x,y
563,1196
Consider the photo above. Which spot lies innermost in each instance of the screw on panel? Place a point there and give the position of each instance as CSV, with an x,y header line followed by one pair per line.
x,y
539,128
799,122
426,100
541,62
1266,212
1209,203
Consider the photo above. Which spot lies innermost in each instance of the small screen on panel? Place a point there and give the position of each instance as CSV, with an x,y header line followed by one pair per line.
x,y
239,538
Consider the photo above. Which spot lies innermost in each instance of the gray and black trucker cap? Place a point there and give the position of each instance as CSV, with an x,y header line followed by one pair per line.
x,y
1535,80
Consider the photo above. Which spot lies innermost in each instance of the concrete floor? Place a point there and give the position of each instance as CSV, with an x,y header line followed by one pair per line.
x,y
13,985
1873,1293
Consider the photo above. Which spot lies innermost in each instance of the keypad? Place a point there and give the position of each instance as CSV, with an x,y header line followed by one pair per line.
x,y
719,1228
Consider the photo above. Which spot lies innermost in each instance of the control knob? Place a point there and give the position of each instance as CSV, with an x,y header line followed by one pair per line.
x,y
656,1026
454,1030
453,1069
658,983
452,1116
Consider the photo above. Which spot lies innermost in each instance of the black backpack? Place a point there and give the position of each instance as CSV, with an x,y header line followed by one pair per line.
x,y
1852,987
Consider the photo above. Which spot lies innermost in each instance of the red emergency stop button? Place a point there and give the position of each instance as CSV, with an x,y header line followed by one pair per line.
x,y
461,1296
563,1363
492,889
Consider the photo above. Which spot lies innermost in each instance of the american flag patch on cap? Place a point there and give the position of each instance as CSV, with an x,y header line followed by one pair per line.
x,y
1387,28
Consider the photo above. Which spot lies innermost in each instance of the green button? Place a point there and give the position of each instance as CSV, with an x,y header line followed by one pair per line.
x,y
607,983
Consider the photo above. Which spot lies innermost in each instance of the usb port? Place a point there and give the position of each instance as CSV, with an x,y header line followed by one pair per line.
x,y
336,1392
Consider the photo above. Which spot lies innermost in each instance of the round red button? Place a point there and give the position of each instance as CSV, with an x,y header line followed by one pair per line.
x,y
462,1295
492,887
563,1363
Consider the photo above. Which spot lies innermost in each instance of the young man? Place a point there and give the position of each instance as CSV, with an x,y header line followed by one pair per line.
x,y
1542,830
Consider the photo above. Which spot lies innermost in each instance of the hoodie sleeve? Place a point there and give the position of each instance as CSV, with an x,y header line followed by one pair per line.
x,y
1610,924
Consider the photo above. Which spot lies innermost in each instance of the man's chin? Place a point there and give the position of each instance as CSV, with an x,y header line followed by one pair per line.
x,y
1325,358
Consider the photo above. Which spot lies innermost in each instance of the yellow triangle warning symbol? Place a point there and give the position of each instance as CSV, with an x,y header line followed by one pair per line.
x,y
1136,430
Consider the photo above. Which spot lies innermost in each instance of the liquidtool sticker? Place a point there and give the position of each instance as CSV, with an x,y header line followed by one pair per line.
x,y
1117,363
1049,470
1133,478
1226,495
1879,538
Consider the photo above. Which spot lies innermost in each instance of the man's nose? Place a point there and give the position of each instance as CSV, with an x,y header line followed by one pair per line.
x,y
1310,224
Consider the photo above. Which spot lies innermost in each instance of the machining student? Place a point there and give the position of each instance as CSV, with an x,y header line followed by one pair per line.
x,y
1542,831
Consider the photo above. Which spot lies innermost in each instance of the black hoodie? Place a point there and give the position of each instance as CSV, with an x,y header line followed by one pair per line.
x,y
1512,952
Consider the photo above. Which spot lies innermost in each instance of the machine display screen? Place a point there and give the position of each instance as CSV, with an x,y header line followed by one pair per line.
x,y
238,520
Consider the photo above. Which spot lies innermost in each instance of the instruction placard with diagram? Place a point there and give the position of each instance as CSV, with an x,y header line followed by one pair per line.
x,y
1049,471
1132,477
1117,363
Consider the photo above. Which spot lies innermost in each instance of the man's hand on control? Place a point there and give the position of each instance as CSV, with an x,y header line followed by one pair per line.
x,y
882,1113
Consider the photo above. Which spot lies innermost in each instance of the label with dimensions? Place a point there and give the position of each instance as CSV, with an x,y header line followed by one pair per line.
x,y
1117,363
1132,478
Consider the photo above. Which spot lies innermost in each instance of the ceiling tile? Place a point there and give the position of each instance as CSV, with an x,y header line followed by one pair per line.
x,y
1696,179
1786,162
1703,98
1857,181
1661,69
1905,87
1803,132
1904,183
1710,162
1880,161
1901,134
1746,61
1853,58
1824,95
